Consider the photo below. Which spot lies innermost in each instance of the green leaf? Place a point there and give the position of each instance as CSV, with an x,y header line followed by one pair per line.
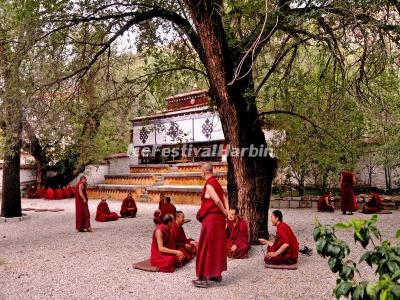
x,y
321,243
358,292
342,225
372,289
316,233
383,295
343,289
398,234
393,266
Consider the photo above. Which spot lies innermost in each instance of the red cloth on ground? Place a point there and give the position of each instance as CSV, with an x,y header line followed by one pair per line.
x,y
322,204
82,209
103,213
180,240
165,262
49,194
58,194
168,208
374,205
284,235
237,235
211,258
348,201
126,207
67,192
42,192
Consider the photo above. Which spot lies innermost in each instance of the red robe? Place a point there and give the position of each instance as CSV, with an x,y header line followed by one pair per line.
x,y
348,201
374,205
49,194
237,235
82,209
103,213
168,208
322,206
71,191
42,192
164,262
58,194
67,192
128,203
32,193
211,258
284,235
180,240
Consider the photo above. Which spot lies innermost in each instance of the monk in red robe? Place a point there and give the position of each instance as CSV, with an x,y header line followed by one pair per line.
x,y
348,201
42,192
58,193
374,204
182,243
168,208
49,194
237,234
285,248
164,256
103,213
67,192
157,217
32,192
128,207
81,206
324,203
211,258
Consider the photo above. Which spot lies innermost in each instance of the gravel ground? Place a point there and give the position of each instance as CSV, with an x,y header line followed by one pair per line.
x,y
43,257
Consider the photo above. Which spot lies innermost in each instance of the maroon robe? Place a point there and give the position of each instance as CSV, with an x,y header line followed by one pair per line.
x,y
82,209
284,235
164,262
103,213
42,192
211,258
374,205
49,194
322,206
348,201
58,194
32,193
237,235
67,192
180,240
168,208
128,203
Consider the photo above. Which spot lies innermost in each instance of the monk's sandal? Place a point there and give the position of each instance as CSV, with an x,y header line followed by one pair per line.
x,y
200,283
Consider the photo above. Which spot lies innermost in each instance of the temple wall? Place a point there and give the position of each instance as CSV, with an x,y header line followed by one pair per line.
x,y
94,173
119,165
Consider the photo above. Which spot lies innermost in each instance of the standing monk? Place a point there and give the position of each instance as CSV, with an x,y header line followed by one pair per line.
x,y
182,243
348,201
324,203
163,253
128,207
237,233
285,248
81,206
157,218
211,257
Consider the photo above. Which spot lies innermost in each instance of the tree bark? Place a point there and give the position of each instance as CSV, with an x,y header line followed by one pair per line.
x,y
250,178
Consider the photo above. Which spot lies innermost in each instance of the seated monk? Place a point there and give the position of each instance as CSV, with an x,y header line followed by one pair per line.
x,y
103,213
182,243
164,256
49,194
285,249
128,207
237,235
324,203
42,192
373,205
58,193
32,192
67,192
168,208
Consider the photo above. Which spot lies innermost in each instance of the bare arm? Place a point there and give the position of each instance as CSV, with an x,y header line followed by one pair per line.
x,y
213,195
282,249
161,247
81,193
226,203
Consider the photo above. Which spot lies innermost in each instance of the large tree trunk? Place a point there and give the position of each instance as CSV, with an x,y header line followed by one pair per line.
x,y
250,178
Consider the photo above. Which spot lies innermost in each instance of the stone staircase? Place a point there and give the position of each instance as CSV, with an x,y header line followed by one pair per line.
x,y
182,182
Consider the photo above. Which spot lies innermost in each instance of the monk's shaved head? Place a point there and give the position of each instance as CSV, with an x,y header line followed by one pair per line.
x,y
207,168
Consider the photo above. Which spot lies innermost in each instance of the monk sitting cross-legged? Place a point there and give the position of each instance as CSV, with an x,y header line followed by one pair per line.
x,y
104,214
32,192
163,253
128,207
324,203
49,194
237,234
285,249
182,243
58,193
374,205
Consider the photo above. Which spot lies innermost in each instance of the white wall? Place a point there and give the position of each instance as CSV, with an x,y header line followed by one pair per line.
x,y
94,173
26,176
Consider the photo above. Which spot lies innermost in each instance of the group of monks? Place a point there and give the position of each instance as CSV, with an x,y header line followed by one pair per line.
x,y
223,234
348,200
51,194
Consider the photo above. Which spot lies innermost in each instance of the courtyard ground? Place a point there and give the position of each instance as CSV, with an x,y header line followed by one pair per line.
x,y
43,257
